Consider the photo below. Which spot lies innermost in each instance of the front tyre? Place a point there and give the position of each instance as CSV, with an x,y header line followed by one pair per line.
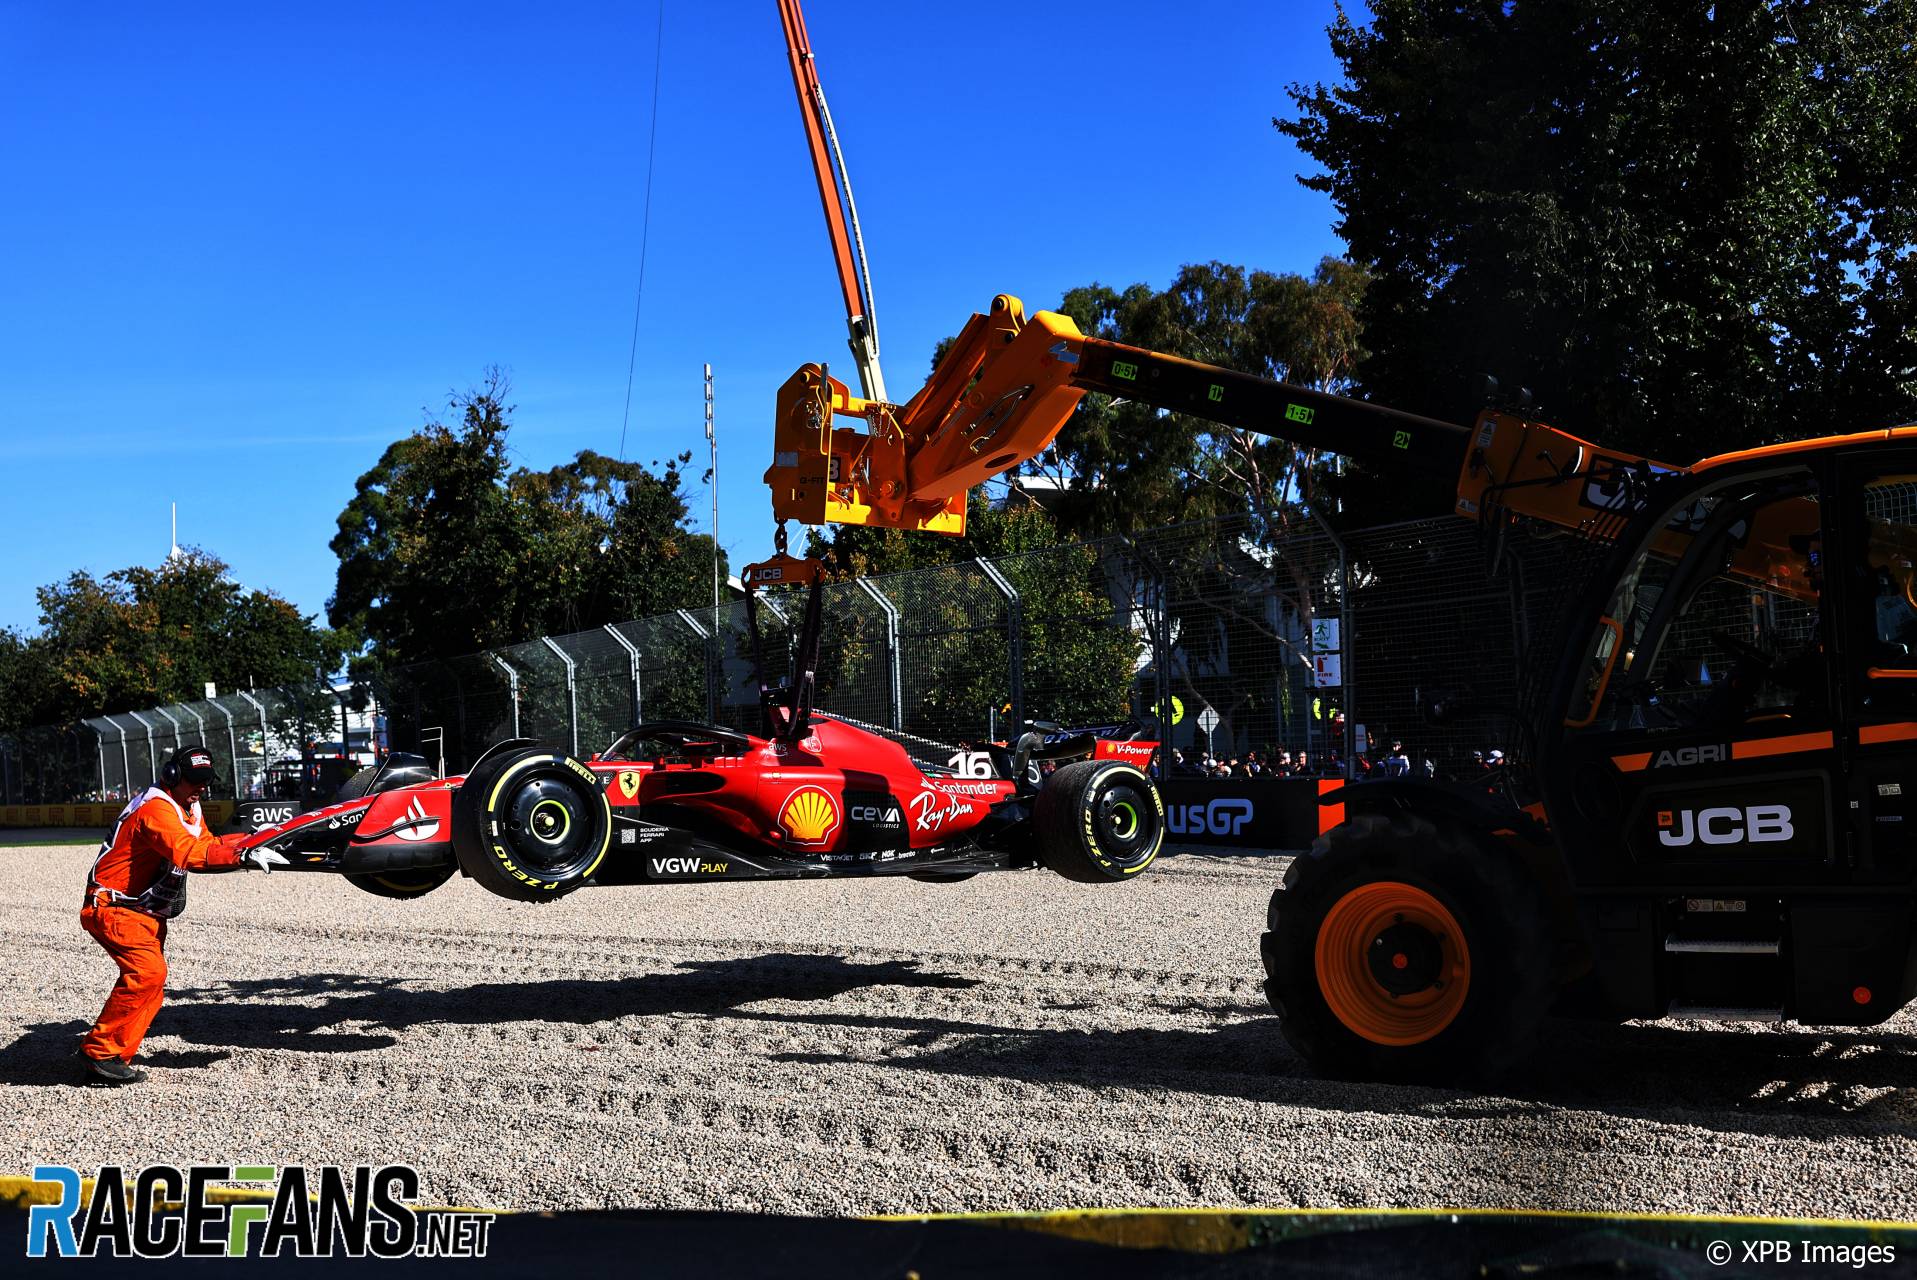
x,y
403,885
1099,821
532,826
1400,950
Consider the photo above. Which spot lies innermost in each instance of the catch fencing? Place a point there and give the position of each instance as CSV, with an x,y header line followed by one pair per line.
x,y
1223,637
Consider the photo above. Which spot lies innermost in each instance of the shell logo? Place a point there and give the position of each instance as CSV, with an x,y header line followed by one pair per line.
x,y
809,815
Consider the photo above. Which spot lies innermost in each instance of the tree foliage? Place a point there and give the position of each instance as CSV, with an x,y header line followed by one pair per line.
x,y
143,637
446,548
1687,228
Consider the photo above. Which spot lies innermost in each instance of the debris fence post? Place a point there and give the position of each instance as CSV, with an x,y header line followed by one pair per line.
x,y
1015,646
894,691
632,668
512,686
572,690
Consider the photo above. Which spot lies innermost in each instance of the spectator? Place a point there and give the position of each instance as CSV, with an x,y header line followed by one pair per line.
x,y
1284,764
1397,764
1302,765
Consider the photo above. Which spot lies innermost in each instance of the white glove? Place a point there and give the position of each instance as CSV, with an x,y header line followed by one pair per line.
x,y
262,858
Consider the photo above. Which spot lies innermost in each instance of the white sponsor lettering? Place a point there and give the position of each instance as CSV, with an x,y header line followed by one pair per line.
x,y
1725,824
884,815
1225,816
1680,756
971,764
927,815
685,867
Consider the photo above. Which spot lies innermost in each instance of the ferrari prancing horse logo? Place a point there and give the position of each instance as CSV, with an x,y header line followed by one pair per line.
x,y
809,816
628,783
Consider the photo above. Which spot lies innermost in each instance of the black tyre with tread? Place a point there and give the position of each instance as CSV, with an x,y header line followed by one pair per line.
x,y
403,885
531,825
1099,821
1499,912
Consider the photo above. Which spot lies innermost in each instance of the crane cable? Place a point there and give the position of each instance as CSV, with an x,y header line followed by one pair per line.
x,y
645,232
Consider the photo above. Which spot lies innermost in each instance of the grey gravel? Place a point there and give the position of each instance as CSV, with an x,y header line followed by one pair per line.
x,y
1010,1042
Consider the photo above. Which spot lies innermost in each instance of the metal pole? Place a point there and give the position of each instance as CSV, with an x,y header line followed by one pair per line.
x,y
260,707
178,740
572,690
232,746
712,691
512,683
1015,650
126,761
100,741
712,439
198,719
632,660
892,648
152,756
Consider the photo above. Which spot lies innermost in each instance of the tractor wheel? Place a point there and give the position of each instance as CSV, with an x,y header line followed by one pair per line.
x,y
1399,950
532,825
403,885
1099,821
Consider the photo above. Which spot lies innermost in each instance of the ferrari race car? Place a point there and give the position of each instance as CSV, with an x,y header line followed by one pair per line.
x,y
682,801
814,795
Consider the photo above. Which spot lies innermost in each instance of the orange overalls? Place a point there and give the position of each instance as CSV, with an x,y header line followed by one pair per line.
x,y
126,904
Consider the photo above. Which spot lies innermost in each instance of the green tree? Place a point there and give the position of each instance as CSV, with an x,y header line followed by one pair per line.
x,y
142,637
445,548
1687,228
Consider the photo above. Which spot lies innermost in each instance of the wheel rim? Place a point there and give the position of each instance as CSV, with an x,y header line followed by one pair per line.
x,y
1121,824
1393,965
546,823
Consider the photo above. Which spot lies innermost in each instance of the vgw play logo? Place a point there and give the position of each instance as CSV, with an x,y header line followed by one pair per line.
x,y
162,1211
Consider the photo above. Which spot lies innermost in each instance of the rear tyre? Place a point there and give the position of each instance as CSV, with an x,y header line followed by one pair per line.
x,y
1400,950
403,885
1098,821
532,825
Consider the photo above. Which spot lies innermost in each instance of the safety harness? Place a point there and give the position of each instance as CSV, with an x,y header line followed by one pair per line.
x,y
166,896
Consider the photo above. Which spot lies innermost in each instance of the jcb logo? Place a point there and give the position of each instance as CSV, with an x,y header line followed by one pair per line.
x,y
1753,824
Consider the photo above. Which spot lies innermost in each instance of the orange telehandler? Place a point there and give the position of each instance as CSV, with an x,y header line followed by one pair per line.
x,y
1709,814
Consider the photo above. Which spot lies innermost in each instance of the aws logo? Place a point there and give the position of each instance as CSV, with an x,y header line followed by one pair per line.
x,y
809,816
1725,824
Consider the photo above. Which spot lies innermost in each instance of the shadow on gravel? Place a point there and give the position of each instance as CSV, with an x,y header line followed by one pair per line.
x,y
307,1012
46,1054
1778,1083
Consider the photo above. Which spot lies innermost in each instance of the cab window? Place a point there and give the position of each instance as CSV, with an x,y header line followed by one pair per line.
x,y
1718,622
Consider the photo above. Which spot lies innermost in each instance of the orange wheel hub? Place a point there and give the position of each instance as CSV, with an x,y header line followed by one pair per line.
x,y
1392,963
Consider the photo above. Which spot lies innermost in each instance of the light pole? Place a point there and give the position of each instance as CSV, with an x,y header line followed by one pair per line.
x,y
712,440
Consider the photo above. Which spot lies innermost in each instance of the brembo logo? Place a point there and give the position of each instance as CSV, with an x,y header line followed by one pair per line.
x,y
1225,816
1725,824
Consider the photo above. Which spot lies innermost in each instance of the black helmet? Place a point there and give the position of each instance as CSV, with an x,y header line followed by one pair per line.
x,y
188,764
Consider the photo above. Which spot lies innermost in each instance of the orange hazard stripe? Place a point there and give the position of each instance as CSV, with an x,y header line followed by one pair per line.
x,y
1872,734
1329,815
1787,745
1636,762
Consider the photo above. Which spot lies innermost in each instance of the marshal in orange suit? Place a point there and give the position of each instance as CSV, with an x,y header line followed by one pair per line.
x,y
137,884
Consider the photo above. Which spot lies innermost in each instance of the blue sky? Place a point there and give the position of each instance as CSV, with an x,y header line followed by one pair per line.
x,y
242,247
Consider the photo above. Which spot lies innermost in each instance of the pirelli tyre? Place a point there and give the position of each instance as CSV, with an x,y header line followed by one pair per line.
x,y
1099,821
1401,950
403,885
531,825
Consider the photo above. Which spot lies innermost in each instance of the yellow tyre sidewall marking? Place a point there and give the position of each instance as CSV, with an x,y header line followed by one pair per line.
x,y
492,809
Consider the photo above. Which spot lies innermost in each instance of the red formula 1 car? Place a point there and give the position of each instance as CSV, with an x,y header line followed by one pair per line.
x,y
811,796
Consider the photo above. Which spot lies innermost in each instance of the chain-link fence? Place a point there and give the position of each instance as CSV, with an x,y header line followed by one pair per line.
x,y
1225,638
